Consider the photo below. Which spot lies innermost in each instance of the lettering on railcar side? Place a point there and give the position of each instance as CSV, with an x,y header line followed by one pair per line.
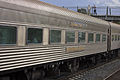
x,y
78,24
74,49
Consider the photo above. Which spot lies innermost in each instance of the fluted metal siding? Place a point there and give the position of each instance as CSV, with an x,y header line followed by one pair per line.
x,y
21,57
12,58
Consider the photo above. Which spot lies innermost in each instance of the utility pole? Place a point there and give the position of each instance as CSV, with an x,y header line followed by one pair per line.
x,y
110,11
77,8
89,9
107,12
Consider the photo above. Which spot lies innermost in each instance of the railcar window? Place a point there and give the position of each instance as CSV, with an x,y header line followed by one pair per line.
x,y
81,37
35,35
8,35
55,36
97,37
112,37
103,37
90,37
115,37
119,37
70,36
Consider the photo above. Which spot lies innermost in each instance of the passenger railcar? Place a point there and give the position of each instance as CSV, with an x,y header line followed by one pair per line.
x,y
37,39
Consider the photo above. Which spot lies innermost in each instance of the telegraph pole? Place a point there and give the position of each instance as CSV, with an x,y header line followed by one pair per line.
x,y
107,12
89,9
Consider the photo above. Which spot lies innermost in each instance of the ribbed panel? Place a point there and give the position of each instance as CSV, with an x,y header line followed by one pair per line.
x,y
11,58
41,6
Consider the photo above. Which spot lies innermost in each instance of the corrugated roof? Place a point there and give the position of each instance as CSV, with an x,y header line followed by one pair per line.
x,y
117,26
54,9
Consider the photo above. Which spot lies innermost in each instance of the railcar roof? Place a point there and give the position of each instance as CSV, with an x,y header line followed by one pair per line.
x,y
113,25
35,4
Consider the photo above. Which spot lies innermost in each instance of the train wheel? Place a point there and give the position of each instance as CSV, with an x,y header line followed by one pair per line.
x,y
53,71
35,75
18,76
4,78
74,66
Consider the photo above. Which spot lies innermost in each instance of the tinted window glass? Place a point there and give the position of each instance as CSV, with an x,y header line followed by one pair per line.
x,y
81,37
55,36
103,37
90,37
112,37
35,35
7,35
115,37
70,36
119,37
97,37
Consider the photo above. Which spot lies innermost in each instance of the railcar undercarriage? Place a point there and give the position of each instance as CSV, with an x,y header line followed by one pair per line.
x,y
57,69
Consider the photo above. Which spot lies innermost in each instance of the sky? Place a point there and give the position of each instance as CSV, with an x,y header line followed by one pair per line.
x,y
84,2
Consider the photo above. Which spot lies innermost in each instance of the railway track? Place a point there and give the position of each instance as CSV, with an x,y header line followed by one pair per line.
x,y
114,76
98,72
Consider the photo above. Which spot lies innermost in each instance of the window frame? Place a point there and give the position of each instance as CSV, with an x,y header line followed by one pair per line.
x,y
93,37
85,37
118,37
96,38
15,36
50,39
66,37
27,36
105,37
113,37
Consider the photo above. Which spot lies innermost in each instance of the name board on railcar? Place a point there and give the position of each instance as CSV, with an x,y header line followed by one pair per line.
x,y
74,49
78,24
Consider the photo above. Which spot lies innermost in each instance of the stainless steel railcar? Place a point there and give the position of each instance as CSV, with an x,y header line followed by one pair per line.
x,y
37,39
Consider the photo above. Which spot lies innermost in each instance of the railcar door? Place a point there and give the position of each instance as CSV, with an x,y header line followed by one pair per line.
x,y
109,40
